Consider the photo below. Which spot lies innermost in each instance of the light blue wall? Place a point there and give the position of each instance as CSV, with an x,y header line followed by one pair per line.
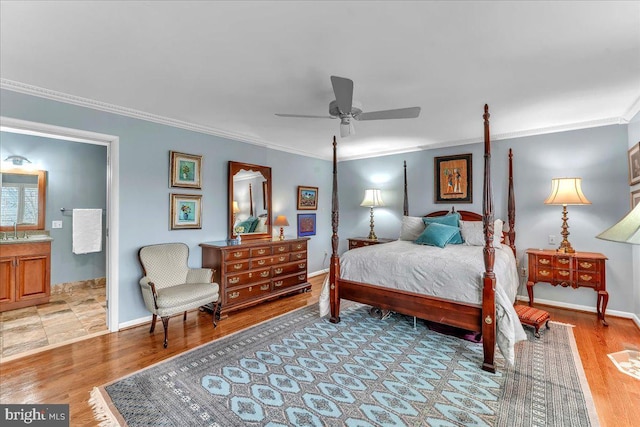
x,y
144,189
597,155
76,178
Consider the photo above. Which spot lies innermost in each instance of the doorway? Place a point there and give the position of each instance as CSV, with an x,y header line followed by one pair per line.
x,y
107,147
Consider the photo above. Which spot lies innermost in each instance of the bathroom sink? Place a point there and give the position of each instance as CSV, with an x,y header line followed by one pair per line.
x,y
33,238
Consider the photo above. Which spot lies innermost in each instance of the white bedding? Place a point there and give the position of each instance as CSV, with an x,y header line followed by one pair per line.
x,y
453,272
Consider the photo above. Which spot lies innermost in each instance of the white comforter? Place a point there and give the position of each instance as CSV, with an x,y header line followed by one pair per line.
x,y
453,272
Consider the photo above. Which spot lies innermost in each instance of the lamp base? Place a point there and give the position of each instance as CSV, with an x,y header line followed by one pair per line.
x,y
565,246
281,236
372,235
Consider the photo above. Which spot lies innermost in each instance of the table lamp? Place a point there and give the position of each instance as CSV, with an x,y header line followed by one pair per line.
x,y
281,221
372,199
566,191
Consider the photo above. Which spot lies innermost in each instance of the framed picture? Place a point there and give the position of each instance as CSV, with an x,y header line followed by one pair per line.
x,y
306,224
307,198
634,164
635,198
186,211
453,179
186,170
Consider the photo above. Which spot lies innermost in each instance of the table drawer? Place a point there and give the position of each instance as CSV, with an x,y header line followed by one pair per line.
x,y
284,282
544,261
292,267
236,254
260,251
248,277
588,279
562,275
563,262
588,265
238,295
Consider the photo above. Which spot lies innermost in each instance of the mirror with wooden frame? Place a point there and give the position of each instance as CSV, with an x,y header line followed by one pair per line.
x,y
249,201
22,199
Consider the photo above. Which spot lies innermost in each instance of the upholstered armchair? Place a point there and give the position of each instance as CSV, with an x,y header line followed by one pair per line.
x,y
170,287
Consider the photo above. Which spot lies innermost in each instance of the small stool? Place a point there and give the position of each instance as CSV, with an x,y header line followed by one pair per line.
x,y
533,317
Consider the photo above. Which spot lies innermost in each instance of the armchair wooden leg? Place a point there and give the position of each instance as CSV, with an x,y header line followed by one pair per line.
x,y
215,314
153,324
184,317
165,323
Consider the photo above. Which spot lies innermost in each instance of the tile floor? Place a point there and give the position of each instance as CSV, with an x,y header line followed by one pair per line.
x,y
75,310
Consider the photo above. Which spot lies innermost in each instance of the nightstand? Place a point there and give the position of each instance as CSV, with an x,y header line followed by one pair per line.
x,y
578,270
358,242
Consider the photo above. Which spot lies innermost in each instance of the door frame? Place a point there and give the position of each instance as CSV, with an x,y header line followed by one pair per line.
x,y
112,219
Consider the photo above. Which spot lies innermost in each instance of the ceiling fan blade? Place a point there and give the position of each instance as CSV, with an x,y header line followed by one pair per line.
x,y
304,116
400,113
343,89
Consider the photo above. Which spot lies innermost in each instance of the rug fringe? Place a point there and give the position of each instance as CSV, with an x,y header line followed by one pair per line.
x,y
101,411
571,325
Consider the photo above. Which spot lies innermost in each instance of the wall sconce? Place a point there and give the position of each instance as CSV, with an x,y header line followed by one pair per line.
x,y
566,191
372,199
17,160
281,221
627,230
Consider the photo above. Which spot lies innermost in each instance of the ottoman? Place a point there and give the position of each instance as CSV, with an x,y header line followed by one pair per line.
x,y
532,317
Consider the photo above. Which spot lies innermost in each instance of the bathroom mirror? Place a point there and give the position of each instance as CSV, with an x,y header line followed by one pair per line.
x,y
22,199
249,201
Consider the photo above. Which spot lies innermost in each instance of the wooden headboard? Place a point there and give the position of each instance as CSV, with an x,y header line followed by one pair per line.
x,y
464,215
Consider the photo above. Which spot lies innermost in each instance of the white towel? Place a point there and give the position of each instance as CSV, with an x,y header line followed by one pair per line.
x,y
87,231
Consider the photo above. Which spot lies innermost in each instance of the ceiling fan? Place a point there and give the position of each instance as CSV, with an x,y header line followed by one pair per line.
x,y
345,108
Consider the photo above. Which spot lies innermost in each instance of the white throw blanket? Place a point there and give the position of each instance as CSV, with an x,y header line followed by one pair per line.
x,y
453,272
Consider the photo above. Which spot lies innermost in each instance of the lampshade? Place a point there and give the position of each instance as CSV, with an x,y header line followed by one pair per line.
x,y
627,230
281,221
372,198
566,191
235,207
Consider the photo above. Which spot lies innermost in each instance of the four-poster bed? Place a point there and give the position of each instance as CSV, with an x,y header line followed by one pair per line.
x,y
462,312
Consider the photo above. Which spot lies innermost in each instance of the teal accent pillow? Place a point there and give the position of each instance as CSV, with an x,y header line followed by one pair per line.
x,y
437,235
249,224
451,219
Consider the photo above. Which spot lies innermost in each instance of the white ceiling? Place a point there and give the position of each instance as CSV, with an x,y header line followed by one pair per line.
x,y
226,67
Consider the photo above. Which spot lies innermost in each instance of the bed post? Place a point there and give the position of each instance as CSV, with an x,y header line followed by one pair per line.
x,y
334,267
489,277
406,197
511,208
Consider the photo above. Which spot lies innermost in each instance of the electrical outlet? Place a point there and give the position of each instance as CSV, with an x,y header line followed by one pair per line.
x,y
552,239
56,224
523,271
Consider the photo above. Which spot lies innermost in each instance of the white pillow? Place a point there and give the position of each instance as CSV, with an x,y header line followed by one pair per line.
x,y
473,235
412,228
262,226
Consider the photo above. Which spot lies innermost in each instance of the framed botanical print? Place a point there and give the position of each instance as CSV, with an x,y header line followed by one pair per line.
x,y
186,211
634,164
306,224
186,170
307,198
453,179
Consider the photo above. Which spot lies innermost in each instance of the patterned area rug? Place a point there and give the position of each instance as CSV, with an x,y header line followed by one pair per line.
x,y
300,370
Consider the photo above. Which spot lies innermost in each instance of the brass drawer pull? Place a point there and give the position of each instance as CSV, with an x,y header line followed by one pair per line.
x,y
365,243
234,280
278,283
563,273
298,246
281,249
586,277
301,277
261,251
544,273
282,258
563,260
278,270
302,265
261,262
264,287
264,274
233,295
586,264
237,266
544,261
237,254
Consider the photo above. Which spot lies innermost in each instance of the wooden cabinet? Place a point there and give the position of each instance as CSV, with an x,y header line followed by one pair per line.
x,y
252,272
358,242
25,274
577,270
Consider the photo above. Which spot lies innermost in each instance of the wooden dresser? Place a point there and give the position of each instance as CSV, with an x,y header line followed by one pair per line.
x,y
577,270
252,272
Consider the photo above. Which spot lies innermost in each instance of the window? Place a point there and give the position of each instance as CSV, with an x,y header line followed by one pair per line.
x,y
19,204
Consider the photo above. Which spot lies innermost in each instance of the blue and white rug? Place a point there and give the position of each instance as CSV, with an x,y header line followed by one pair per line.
x,y
301,370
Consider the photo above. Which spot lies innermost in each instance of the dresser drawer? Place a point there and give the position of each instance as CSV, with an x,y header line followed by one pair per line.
x,y
562,275
299,246
279,259
262,262
286,281
563,262
247,277
281,248
297,256
236,254
292,267
588,279
587,265
260,251
235,266
543,274
544,261
238,295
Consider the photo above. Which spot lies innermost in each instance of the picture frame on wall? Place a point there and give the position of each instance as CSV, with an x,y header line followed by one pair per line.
x,y
185,211
634,164
635,198
307,198
453,179
306,224
186,170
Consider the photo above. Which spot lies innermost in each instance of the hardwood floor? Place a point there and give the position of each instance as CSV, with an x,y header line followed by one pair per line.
x,y
67,374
